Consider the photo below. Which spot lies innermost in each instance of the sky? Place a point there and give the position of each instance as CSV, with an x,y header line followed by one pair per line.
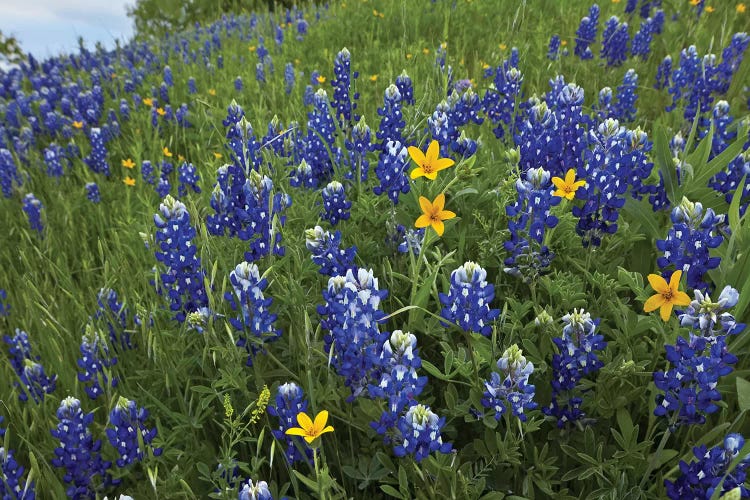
x,y
50,27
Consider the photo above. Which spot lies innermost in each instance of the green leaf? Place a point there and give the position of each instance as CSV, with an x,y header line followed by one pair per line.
x,y
641,212
743,394
699,157
434,370
665,162
734,207
719,163
313,485
390,491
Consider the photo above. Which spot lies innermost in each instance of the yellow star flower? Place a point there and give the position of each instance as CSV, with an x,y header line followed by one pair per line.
x,y
78,125
148,101
321,79
167,152
160,111
428,164
740,8
709,9
212,91
666,296
308,429
374,78
217,155
251,48
129,181
567,188
433,214
128,163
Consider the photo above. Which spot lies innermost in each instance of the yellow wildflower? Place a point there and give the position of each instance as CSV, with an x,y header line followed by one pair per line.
x,y
666,296
308,429
433,214
429,164
128,163
167,152
129,181
566,188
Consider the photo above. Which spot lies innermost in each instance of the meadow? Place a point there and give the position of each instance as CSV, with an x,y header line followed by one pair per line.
x,y
463,249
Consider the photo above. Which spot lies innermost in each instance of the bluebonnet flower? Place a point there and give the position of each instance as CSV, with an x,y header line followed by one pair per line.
x,y
689,386
510,385
248,209
344,102
12,485
399,383
468,300
128,431
116,317
290,402
289,78
319,142
238,84
326,252
168,79
36,381
693,234
392,120
94,360
577,358
630,6
391,171
625,108
191,86
182,278
335,205
260,73
350,319
147,172
615,40
8,173
164,93
411,239
33,208
4,305
254,317
92,192
189,178
530,216
539,140
642,40
53,156
79,454
553,52
700,478
302,26
181,115
255,491
586,33
97,158
420,433
405,88
358,146
499,101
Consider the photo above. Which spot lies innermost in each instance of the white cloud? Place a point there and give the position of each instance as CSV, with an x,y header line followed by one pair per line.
x,y
47,27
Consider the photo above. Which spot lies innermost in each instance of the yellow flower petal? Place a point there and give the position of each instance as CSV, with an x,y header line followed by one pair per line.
x,y
559,184
295,431
304,421
425,205
446,215
439,227
416,155
653,303
422,221
433,151
417,172
658,283
432,175
666,311
321,419
439,202
570,176
680,298
674,280
327,429
443,163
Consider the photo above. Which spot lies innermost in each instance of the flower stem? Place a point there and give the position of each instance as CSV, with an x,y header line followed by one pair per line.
x,y
654,458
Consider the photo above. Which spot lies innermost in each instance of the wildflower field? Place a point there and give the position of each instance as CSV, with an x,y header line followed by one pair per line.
x,y
382,249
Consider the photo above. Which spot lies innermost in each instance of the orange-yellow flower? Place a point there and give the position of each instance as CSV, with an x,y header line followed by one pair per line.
x,y
503,46
180,158
429,164
251,48
566,188
212,91
667,295
433,214
148,101
374,78
167,152
740,8
129,181
78,125
409,55
217,155
321,79
128,163
709,9
160,111
308,429
425,51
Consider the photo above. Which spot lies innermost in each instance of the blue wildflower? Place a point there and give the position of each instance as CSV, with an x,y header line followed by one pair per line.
x,y
391,171
615,40
12,485
255,491
92,192
290,402
53,156
94,364
79,454
182,278
33,208
553,51
586,33
97,158
8,173
468,300
420,433
326,252
189,178
344,101
289,78
129,431
510,385
335,205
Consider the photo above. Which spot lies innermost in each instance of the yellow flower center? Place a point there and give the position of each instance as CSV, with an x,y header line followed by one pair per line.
x,y
427,167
